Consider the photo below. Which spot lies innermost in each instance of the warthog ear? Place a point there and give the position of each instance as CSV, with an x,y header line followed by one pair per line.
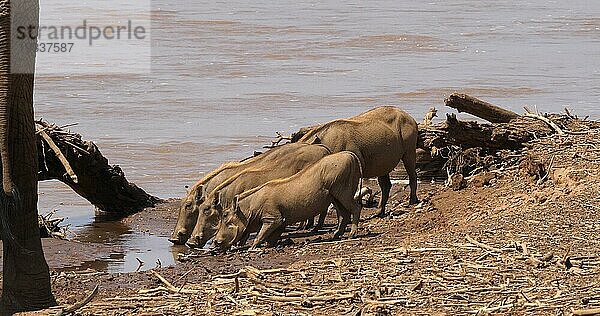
x,y
235,201
217,199
199,194
317,140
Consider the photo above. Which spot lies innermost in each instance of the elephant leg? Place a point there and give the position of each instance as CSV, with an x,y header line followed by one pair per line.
x,y
409,161
386,185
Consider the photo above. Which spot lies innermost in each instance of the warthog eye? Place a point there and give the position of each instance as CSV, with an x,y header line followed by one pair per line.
x,y
206,211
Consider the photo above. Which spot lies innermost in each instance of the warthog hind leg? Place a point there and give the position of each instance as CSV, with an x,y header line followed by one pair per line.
x,y
351,207
343,220
409,162
386,185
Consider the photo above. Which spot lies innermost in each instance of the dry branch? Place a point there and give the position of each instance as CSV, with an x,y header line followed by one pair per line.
x,y
81,304
480,108
168,287
58,153
482,245
586,312
555,127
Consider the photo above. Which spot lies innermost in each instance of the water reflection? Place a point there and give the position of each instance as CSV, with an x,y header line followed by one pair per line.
x,y
127,247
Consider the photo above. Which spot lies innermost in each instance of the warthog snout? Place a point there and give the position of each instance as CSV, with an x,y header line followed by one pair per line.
x,y
178,238
218,244
194,242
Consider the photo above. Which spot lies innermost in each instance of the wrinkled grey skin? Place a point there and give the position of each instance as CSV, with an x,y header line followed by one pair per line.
x,y
381,138
26,277
270,207
295,158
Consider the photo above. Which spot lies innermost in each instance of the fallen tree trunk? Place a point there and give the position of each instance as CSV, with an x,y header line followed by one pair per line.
x,y
466,146
480,108
64,156
453,132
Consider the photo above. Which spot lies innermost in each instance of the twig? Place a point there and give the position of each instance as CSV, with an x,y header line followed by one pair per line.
x,y
485,311
249,271
288,299
68,125
540,181
482,245
280,138
59,155
81,304
168,286
140,264
163,280
553,125
472,290
586,312
76,147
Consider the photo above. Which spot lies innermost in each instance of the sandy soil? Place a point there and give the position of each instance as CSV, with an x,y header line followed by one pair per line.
x,y
507,244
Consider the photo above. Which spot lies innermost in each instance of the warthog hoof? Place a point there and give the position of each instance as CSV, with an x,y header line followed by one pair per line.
x,y
337,235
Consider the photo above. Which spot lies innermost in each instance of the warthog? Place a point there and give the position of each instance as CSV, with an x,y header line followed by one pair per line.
x,y
188,212
272,206
298,156
380,138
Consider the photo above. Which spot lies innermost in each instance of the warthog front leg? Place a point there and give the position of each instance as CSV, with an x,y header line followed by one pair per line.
x,y
321,221
275,236
244,238
269,225
309,223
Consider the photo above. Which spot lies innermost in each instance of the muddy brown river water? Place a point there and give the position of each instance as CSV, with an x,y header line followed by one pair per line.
x,y
226,75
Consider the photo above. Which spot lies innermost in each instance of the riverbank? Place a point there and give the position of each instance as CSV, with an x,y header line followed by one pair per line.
x,y
507,243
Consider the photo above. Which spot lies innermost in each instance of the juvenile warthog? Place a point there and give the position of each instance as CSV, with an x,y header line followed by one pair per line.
x,y
272,206
188,212
297,157
380,138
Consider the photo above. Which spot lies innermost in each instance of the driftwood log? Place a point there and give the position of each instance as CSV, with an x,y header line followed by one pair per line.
x,y
480,108
64,156
452,132
464,147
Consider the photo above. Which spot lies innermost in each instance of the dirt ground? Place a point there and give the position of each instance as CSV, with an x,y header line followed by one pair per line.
x,y
509,243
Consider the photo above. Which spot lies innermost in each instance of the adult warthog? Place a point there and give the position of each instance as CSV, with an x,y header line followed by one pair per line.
x,y
380,138
298,156
272,206
188,211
